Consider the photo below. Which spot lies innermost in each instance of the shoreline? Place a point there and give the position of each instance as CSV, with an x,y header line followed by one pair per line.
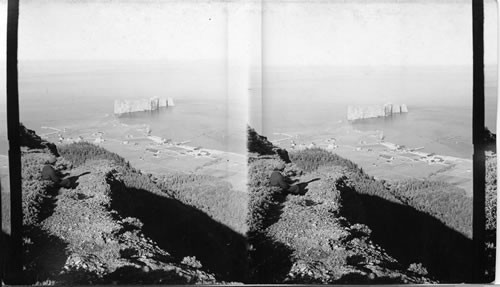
x,y
368,149
380,158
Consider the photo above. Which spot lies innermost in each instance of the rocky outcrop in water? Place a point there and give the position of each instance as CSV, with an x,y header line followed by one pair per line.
x,y
374,111
132,106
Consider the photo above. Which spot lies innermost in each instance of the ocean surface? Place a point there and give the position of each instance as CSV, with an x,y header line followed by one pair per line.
x,y
315,100
212,108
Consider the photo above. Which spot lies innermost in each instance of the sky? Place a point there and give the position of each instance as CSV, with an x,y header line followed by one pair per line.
x,y
284,32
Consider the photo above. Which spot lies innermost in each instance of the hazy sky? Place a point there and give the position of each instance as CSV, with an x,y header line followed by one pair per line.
x,y
282,32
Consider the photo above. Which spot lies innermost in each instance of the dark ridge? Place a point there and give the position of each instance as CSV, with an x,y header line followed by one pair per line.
x,y
45,255
270,261
490,140
184,231
30,139
262,146
411,236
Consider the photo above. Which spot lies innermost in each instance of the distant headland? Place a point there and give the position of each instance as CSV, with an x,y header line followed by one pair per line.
x,y
132,106
374,111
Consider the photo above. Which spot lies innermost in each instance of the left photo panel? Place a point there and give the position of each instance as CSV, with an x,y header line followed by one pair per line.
x,y
133,140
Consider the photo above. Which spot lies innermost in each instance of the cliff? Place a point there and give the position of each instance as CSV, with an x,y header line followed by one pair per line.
x,y
374,111
131,106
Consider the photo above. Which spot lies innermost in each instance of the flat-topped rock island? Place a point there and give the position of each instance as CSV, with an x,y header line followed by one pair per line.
x,y
361,112
141,105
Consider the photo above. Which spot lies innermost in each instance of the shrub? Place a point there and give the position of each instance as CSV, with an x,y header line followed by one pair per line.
x,y
264,199
34,190
81,152
191,261
418,268
257,143
209,194
441,200
312,158
136,179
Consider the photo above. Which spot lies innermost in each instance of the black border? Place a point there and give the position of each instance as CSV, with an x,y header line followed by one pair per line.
x,y
13,264
478,128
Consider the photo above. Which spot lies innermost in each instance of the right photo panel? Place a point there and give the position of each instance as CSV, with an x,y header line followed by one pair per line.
x,y
360,143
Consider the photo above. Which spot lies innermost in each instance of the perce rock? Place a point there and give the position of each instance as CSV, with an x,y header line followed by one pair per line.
x,y
131,106
374,111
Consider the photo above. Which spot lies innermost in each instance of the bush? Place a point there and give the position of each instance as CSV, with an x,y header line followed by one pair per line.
x,y
441,200
35,191
264,198
81,152
312,158
258,144
209,194
418,268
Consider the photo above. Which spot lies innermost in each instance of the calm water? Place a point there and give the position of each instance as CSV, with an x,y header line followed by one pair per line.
x,y
316,100
211,112
72,94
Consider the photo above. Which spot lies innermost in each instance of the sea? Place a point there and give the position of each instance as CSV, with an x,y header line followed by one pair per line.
x,y
214,101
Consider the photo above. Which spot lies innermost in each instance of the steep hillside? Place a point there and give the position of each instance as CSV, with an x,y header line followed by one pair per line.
x,y
351,228
209,194
423,225
307,239
115,225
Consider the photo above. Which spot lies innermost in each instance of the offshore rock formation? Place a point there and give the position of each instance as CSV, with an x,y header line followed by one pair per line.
x,y
374,111
131,106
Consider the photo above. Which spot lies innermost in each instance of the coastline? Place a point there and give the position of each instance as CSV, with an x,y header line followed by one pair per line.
x,y
380,158
153,154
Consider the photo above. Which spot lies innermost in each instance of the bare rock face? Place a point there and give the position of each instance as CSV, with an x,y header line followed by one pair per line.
x,y
374,111
132,106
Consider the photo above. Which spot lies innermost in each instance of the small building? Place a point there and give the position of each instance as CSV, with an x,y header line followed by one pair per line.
x,y
204,153
331,146
153,150
157,139
387,157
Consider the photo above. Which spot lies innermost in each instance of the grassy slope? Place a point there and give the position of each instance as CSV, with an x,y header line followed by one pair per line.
x,y
83,240
308,239
415,220
423,225
315,242
118,226
210,195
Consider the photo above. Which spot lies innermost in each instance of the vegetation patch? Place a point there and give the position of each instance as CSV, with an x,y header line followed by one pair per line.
x,y
209,194
81,152
441,200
